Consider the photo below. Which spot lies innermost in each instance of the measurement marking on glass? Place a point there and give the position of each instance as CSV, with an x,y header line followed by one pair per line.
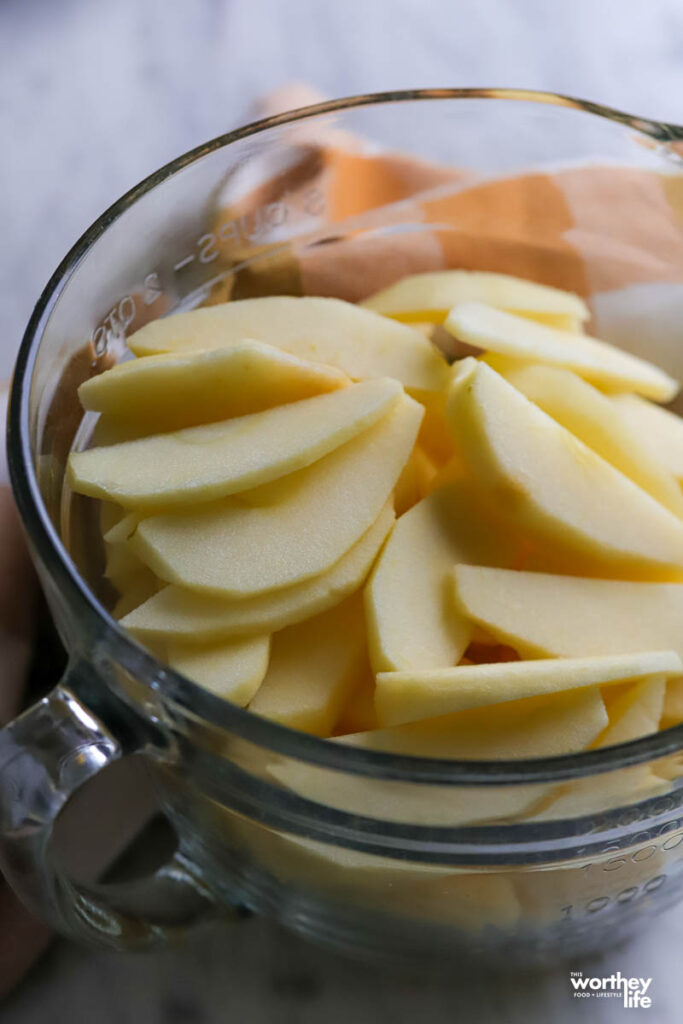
x,y
153,288
184,262
251,228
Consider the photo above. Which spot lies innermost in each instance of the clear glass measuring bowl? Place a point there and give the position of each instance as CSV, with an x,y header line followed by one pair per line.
x,y
404,858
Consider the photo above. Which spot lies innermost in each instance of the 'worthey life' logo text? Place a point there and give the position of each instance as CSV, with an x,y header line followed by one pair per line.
x,y
633,991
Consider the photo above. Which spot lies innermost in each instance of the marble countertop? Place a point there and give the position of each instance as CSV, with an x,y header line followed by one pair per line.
x,y
94,96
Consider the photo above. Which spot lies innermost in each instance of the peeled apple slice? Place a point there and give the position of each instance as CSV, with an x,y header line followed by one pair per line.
x,y
198,618
410,696
232,669
633,714
313,668
544,727
554,488
168,392
542,615
203,463
227,548
430,296
413,622
594,419
356,341
672,713
496,331
659,430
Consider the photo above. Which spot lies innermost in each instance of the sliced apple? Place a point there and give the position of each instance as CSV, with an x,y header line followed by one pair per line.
x,y
430,296
542,615
314,666
411,696
672,712
358,713
121,565
169,392
138,589
635,713
230,549
232,669
554,488
659,430
496,331
356,341
199,618
412,619
203,463
563,724
594,419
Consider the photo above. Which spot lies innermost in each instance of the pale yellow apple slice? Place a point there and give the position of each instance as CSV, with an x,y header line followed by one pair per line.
x,y
198,618
430,296
314,666
412,619
168,392
231,549
635,713
232,669
410,887
593,418
553,487
138,589
659,430
203,463
410,696
566,723
542,615
672,713
121,565
496,331
358,713
356,341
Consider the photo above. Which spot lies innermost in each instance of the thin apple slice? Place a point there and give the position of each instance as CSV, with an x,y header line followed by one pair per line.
x,y
660,430
138,589
635,713
554,488
412,619
672,713
430,296
208,462
563,724
199,618
542,615
356,341
594,419
169,392
232,669
496,331
358,713
403,697
314,666
230,549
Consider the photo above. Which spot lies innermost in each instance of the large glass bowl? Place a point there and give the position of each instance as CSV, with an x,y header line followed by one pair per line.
x,y
409,859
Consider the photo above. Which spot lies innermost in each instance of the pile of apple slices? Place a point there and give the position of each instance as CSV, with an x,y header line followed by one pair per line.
x,y
308,511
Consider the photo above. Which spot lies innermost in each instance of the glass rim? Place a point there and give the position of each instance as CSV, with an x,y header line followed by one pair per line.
x,y
171,685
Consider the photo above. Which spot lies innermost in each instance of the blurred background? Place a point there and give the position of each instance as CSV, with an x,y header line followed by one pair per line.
x,y
96,95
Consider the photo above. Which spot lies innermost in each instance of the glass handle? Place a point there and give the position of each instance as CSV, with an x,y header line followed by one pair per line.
x,y
46,754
